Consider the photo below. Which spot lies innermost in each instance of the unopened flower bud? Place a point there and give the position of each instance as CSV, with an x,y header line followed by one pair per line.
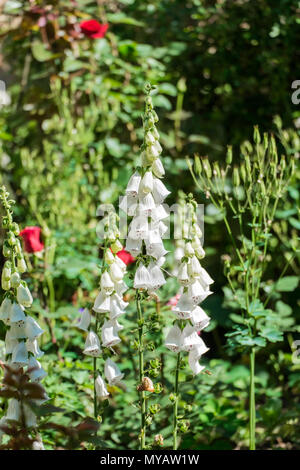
x,y
15,280
229,155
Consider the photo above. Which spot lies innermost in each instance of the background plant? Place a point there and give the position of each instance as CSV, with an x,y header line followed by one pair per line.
x,y
219,68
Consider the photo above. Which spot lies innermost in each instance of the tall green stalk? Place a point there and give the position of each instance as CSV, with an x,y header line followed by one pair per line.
x,y
252,420
175,406
143,405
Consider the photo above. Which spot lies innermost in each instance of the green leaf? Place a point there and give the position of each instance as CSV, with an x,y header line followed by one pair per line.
x,y
40,53
287,284
271,335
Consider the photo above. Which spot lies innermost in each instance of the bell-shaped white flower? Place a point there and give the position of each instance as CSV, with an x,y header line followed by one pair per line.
x,y
142,279
112,372
17,330
37,372
100,387
117,306
205,278
149,138
194,364
156,276
92,345
33,347
157,168
154,237
147,205
188,249
20,354
195,354
24,296
133,184
133,246
32,328
160,192
199,318
13,412
157,250
106,283
85,320
128,204
5,310
152,152
30,417
197,292
184,307
146,185
117,325
10,342
196,244
109,257
102,303
109,334
173,339
17,314
15,280
182,274
120,287
189,338
195,267
121,264
196,230
159,213
115,272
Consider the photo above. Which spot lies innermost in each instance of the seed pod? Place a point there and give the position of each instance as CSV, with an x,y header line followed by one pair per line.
x,y
248,166
229,155
243,172
266,141
207,168
146,385
256,135
198,165
236,177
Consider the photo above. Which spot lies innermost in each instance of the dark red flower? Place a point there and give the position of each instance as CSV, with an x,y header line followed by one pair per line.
x,y
125,257
31,238
93,29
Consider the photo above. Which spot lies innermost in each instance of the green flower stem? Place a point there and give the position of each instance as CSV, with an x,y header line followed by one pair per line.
x,y
252,421
176,400
141,370
95,395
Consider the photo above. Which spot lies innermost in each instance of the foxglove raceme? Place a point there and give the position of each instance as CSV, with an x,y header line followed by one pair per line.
x,y
195,282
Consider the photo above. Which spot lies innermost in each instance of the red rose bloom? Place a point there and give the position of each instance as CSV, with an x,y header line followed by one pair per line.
x,y
31,238
125,257
93,29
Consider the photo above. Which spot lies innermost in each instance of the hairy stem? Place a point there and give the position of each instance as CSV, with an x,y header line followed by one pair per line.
x,y
141,371
252,400
175,408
